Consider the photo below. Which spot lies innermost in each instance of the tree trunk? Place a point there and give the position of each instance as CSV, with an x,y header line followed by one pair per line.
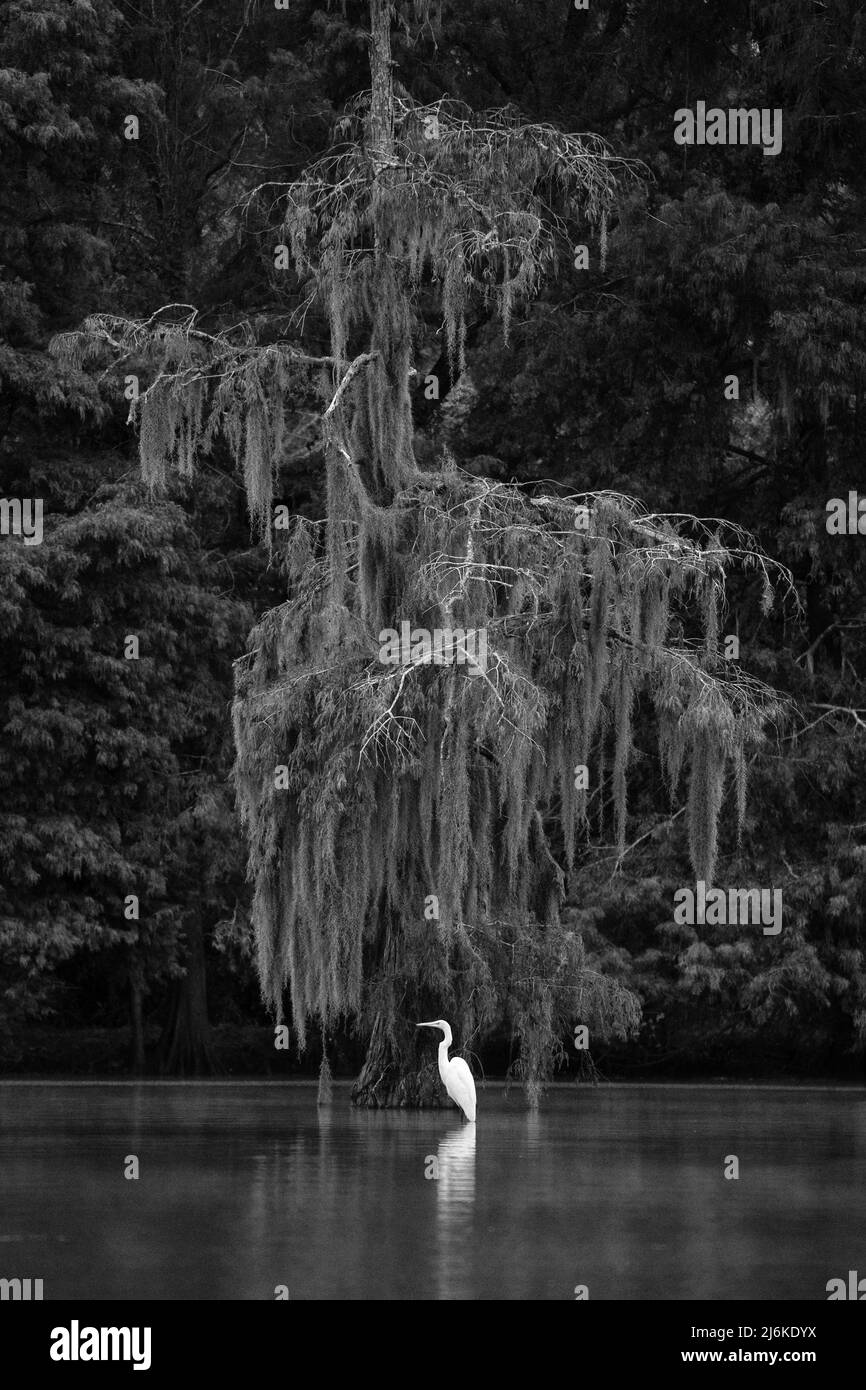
x,y
392,1077
381,136
136,1015
185,1045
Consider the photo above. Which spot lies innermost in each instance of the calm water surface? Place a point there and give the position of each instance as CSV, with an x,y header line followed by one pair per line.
x,y
245,1186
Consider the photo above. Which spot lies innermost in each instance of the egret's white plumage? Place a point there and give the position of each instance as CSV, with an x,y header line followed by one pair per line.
x,y
456,1076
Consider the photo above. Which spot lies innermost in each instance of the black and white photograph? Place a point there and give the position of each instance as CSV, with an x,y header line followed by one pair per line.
x,y
432,666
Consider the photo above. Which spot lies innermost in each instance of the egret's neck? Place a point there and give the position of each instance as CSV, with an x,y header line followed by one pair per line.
x,y
443,1055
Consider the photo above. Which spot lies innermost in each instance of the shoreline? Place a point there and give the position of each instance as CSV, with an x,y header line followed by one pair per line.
x,y
492,1083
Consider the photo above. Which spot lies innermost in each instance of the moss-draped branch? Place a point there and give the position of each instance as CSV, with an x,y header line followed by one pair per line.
x,y
412,782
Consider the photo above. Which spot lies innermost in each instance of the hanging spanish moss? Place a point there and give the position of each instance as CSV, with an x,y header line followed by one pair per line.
x,y
414,812
419,780
324,1094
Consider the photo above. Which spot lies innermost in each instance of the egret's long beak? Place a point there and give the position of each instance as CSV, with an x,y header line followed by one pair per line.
x,y
425,1025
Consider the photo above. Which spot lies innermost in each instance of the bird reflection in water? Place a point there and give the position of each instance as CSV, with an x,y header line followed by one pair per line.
x,y
455,1201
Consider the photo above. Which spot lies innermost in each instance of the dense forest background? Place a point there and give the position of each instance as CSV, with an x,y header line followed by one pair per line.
x,y
115,774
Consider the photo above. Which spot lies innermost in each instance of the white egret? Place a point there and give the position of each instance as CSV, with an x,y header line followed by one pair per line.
x,y
456,1076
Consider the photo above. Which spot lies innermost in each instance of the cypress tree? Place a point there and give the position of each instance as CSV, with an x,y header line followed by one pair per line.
x,y
412,828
